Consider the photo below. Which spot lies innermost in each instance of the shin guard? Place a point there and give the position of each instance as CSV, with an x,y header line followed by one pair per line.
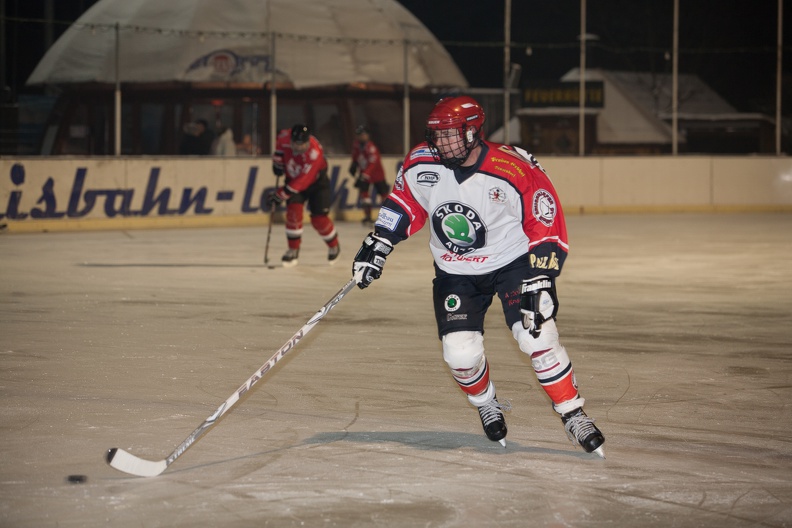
x,y
550,362
294,224
326,229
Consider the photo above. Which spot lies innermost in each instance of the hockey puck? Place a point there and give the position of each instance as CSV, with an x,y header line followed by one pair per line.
x,y
76,479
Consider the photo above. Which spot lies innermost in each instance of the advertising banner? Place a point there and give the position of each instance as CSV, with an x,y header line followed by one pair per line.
x,y
54,193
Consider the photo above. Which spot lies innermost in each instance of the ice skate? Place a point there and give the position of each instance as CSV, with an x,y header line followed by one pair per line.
x,y
493,421
332,253
289,258
581,429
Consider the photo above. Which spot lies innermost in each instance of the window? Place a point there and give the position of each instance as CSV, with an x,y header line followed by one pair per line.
x,y
329,129
383,119
151,125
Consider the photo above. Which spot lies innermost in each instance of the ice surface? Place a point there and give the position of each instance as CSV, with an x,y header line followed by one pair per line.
x,y
678,327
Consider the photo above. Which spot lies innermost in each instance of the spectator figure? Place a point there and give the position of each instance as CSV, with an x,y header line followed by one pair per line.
x,y
197,140
224,144
246,147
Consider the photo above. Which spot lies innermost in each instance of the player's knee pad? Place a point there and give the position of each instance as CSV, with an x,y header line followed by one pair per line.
x,y
548,357
463,351
464,354
548,337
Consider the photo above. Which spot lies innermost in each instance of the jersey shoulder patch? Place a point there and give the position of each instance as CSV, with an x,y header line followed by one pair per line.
x,y
420,153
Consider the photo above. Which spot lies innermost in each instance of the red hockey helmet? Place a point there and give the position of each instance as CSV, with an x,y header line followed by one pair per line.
x,y
454,117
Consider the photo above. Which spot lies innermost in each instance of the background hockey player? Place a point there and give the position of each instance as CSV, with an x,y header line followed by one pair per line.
x,y
496,228
366,158
300,156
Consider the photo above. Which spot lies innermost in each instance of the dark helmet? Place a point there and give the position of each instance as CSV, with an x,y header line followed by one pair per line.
x,y
361,129
300,134
455,115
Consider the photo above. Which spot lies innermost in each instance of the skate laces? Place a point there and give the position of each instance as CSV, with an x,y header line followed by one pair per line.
x,y
492,411
579,426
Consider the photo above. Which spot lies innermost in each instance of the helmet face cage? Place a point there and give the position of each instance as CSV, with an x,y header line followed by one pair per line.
x,y
450,156
453,130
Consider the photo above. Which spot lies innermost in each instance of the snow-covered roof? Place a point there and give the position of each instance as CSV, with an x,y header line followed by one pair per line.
x,y
317,43
637,106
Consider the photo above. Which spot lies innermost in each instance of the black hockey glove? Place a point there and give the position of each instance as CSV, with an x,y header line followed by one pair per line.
x,y
370,259
538,303
362,182
278,197
353,167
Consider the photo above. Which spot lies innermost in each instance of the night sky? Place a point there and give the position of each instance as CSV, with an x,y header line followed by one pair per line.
x,y
731,46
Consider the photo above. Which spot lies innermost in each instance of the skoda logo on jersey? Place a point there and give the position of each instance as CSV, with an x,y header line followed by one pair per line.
x,y
459,228
452,303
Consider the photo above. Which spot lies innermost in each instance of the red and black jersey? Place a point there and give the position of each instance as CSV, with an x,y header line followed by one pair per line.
x,y
301,170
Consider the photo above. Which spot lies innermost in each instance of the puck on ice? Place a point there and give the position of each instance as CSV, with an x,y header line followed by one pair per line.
x,y
76,479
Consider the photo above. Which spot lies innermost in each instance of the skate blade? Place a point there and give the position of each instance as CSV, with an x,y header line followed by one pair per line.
x,y
503,443
600,452
289,264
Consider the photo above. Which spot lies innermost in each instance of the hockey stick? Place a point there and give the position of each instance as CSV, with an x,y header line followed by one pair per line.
x,y
129,463
269,228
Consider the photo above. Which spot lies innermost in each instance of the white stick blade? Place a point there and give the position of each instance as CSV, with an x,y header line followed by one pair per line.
x,y
129,463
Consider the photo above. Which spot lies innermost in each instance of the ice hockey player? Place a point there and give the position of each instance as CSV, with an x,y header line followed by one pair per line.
x,y
300,156
496,227
366,158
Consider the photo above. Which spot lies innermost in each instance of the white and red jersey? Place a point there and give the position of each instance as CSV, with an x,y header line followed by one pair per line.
x,y
301,170
481,217
368,159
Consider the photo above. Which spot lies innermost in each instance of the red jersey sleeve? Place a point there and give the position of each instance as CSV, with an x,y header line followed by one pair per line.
x,y
544,224
407,216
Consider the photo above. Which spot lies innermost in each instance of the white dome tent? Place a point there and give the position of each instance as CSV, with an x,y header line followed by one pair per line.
x,y
304,43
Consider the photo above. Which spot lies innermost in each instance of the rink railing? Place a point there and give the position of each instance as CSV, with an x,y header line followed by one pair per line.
x,y
68,193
